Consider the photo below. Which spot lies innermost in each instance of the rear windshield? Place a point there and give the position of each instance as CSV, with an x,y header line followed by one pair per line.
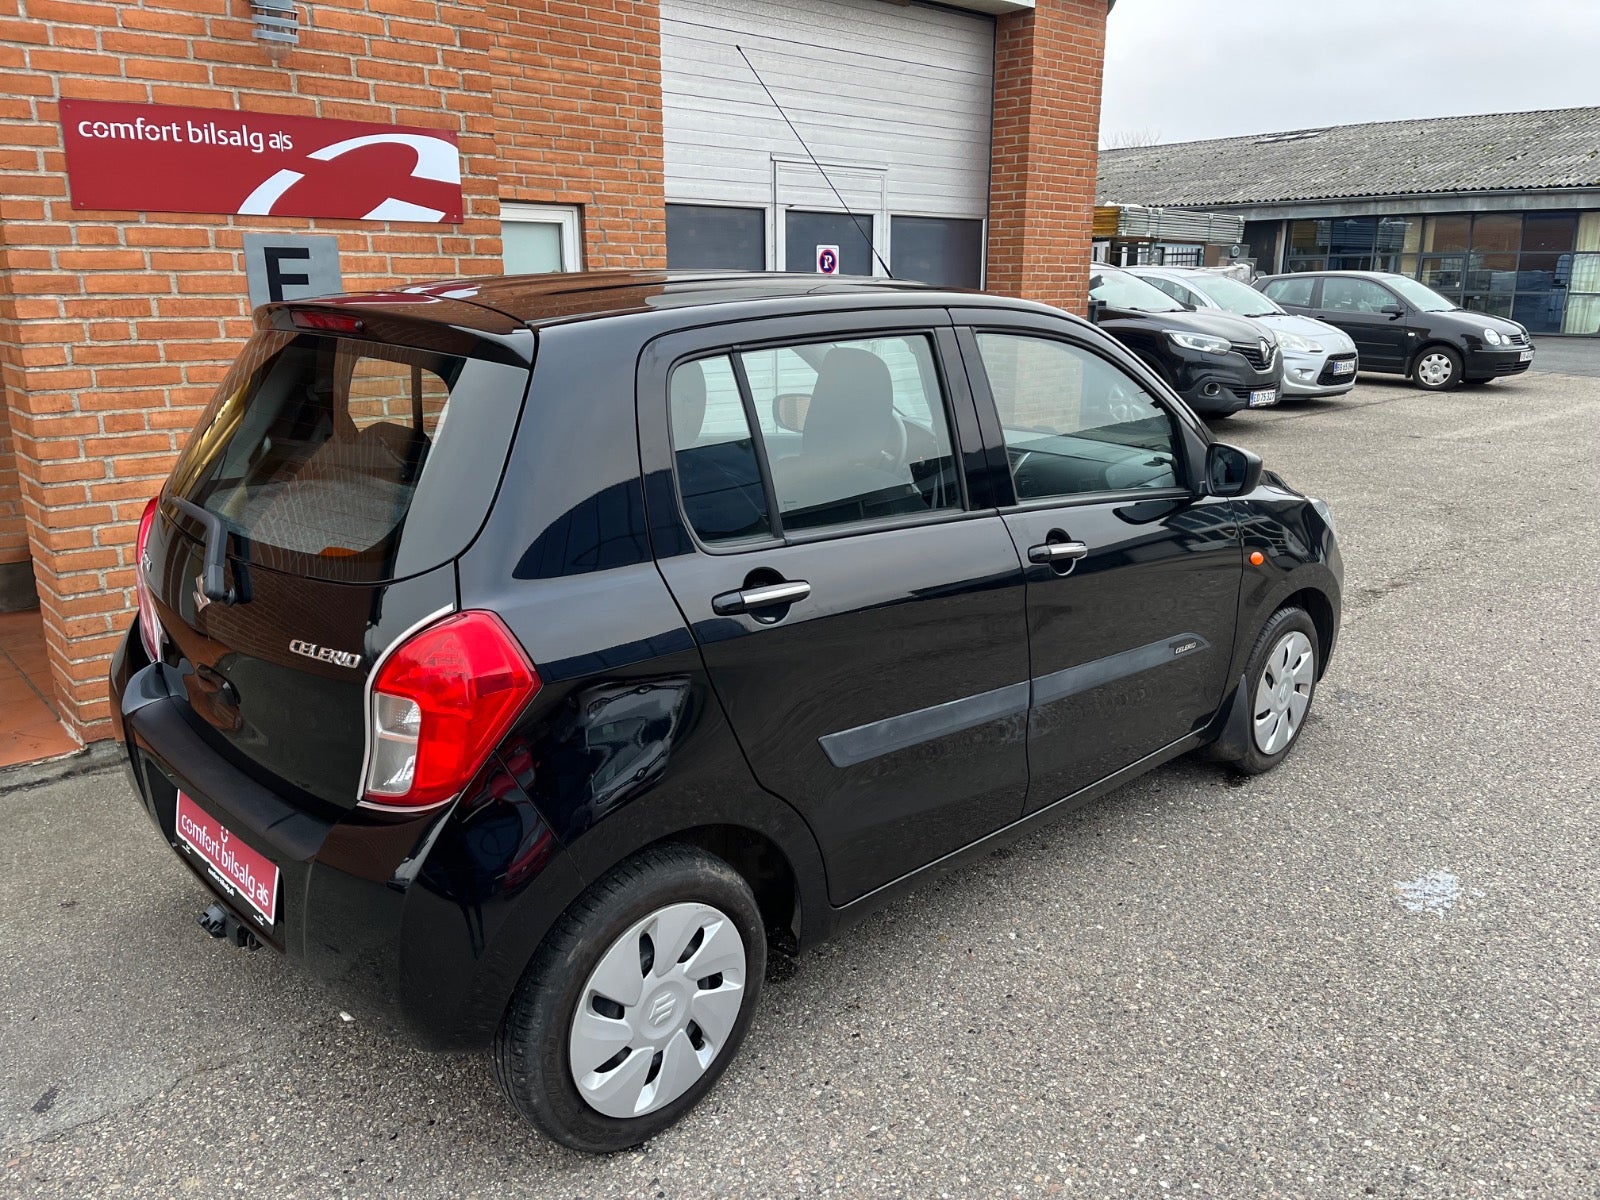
x,y
349,460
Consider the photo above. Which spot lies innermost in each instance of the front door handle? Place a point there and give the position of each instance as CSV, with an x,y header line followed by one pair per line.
x,y
1057,552
769,595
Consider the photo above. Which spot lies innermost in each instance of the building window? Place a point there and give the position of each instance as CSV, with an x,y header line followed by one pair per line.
x,y
853,233
940,250
1541,268
711,237
539,238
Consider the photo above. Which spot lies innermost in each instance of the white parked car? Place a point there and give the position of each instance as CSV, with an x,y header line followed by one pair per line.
x,y
1318,360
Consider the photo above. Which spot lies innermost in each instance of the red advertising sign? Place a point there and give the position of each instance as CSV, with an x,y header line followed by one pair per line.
x,y
241,870
161,158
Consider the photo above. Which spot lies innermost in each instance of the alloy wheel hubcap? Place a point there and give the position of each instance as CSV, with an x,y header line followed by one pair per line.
x,y
657,1010
1434,369
1284,692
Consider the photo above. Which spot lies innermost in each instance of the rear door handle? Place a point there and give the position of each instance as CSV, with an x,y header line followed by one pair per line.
x,y
767,596
1057,552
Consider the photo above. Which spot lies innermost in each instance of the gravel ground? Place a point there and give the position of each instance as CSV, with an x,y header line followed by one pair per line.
x,y
1372,973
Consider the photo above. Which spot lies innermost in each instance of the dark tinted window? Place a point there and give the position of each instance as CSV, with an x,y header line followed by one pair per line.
x,y
350,460
805,231
939,250
705,237
1074,423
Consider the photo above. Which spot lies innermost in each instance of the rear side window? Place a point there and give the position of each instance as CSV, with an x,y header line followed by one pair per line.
x,y
1074,423
1292,291
836,432
349,460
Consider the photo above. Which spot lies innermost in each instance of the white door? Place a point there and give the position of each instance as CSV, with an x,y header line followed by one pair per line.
x,y
893,100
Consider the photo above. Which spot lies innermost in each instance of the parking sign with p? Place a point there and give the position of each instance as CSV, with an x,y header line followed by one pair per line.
x,y
827,260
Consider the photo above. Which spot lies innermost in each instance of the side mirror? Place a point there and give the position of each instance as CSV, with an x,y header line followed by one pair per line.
x,y
1096,309
1392,311
1231,471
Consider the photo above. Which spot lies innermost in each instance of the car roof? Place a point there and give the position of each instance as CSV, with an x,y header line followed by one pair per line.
x,y
1353,274
536,300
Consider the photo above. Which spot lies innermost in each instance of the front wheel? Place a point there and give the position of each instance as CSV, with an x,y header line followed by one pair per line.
x,y
636,1002
1438,369
1281,679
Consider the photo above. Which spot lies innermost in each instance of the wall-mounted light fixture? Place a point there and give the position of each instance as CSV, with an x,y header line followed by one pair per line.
x,y
276,21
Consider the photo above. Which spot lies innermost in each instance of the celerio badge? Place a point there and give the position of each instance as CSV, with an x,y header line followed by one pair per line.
x,y
339,658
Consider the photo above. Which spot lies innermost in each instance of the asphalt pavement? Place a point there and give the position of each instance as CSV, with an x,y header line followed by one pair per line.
x,y
1375,972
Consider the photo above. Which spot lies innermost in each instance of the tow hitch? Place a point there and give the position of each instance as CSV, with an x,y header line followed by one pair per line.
x,y
220,923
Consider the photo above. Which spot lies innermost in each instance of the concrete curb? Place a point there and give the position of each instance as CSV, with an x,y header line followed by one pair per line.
x,y
91,760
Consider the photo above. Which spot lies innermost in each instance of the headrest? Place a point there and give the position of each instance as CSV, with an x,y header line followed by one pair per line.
x,y
687,399
852,408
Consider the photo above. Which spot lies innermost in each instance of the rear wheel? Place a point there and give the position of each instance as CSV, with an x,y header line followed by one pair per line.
x,y
636,1002
1438,369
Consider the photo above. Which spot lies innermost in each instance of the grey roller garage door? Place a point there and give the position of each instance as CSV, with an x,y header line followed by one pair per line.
x,y
894,100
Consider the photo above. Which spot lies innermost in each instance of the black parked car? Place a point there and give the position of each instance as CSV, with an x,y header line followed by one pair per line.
x,y
1217,362
529,655
1406,328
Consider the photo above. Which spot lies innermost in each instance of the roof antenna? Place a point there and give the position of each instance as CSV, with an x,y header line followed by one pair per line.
x,y
857,220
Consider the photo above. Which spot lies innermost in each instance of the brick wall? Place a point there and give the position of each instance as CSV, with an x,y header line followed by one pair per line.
x,y
577,108
13,529
1044,152
115,326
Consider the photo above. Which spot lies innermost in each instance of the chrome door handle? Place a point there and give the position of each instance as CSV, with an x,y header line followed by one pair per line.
x,y
1055,552
767,596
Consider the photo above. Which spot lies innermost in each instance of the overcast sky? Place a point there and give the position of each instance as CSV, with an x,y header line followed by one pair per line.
x,y
1188,69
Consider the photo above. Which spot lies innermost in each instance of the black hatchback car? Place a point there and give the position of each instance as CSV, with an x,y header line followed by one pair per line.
x,y
1217,362
526,656
1406,328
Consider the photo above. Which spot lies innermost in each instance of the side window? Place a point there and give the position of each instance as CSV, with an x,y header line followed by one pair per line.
x,y
854,430
719,477
1073,422
1292,292
1176,290
1354,295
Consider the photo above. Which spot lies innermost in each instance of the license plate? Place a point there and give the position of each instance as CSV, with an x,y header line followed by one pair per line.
x,y
1343,368
1525,356
1263,397
235,867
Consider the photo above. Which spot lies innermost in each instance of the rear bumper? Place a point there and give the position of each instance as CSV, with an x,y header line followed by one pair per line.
x,y
405,918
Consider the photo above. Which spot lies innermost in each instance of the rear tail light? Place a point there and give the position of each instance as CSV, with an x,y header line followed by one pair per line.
x,y
149,626
441,702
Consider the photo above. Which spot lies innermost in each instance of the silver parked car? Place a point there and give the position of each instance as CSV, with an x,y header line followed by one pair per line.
x,y
1318,360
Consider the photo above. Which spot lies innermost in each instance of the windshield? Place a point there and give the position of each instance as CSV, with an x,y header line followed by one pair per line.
x,y
1234,296
349,460
1129,293
1420,296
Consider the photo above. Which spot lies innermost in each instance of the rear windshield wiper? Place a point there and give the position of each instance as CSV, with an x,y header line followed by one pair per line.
x,y
214,580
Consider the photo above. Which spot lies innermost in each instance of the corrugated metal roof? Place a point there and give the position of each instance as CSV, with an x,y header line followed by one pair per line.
x,y
1553,148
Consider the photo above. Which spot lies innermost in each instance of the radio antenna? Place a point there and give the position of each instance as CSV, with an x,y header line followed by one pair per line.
x,y
867,237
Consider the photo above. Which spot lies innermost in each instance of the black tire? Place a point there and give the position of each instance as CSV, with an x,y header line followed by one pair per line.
x,y
1448,375
1282,624
530,1056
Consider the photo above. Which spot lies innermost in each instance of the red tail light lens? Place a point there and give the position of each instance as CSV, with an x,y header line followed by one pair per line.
x,y
149,626
440,703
